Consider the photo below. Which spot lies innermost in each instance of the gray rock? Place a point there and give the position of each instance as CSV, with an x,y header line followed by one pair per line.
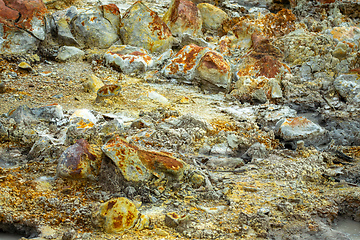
x,y
16,41
22,114
41,148
91,29
60,25
348,86
49,112
218,162
70,54
300,128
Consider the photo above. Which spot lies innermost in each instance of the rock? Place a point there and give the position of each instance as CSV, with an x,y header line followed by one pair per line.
x,y
26,15
118,214
224,162
3,133
22,25
128,59
112,13
83,118
257,150
347,35
70,54
213,71
108,91
348,86
41,148
173,220
159,98
183,17
49,112
213,17
91,29
79,161
137,165
22,114
197,180
61,28
300,128
25,66
199,65
126,159
183,65
142,27
341,50
92,84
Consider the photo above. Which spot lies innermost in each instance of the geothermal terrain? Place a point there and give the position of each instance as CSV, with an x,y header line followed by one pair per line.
x,y
180,119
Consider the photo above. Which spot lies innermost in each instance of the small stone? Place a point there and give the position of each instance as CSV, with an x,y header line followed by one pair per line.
x,y
173,219
70,54
197,180
25,66
92,84
48,112
108,91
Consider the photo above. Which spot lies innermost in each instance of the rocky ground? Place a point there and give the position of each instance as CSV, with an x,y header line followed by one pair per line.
x,y
179,119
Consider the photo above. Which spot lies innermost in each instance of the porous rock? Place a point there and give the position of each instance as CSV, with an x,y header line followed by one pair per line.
x,y
183,17
348,86
142,27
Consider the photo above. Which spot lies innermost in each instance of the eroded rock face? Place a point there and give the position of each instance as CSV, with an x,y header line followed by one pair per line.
x,y
142,27
348,86
128,59
183,17
79,161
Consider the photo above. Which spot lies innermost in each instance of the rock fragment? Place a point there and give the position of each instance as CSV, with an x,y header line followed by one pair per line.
x,y
79,161
348,86
142,27
213,17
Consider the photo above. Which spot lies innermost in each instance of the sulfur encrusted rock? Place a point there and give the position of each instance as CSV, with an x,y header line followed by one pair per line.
x,y
142,27
212,16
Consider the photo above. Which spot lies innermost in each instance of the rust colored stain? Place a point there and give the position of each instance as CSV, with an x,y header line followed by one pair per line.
x,y
262,47
92,19
109,90
326,1
296,122
83,124
215,61
139,170
186,11
159,27
185,57
130,218
112,8
110,205
8,13
156,159
117,142
27,10
83,23
118,221
268,66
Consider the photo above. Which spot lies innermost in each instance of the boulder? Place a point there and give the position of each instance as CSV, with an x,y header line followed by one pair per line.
x,y
300,128
183,17
70,54
48,112
91,29
142,27
79,161
120,214
213,17
138,165
200,65
128,59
